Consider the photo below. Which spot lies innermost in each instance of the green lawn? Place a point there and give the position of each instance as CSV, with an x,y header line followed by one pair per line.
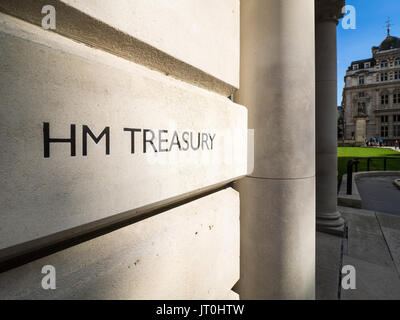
x,y
347,153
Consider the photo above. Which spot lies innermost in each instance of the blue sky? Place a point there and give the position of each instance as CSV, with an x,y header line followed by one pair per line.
x,y
370,31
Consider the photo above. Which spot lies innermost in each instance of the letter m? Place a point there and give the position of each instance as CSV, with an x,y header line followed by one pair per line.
x,y
86,131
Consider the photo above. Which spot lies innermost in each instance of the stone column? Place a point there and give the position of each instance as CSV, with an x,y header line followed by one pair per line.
x,y
277,85
327,14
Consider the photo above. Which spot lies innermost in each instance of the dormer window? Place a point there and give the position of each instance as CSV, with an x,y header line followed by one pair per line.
x,y
367,65
361,80
355,66
384,64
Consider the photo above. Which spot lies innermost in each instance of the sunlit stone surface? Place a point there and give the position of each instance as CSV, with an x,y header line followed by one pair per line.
x,y
158,138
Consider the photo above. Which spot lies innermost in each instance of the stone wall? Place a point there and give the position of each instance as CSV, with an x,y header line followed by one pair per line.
x,y
188,252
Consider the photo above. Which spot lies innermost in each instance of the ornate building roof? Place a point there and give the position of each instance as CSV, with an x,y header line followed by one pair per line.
x,y
390,43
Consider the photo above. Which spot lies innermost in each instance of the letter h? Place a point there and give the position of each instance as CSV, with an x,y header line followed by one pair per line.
x,y
47,140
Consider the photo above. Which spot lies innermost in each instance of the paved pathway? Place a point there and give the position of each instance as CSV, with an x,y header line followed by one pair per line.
x,y
372,246
379,193
392,148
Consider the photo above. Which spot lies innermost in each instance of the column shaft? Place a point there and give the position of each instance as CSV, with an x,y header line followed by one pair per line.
x,y
277,85
328,218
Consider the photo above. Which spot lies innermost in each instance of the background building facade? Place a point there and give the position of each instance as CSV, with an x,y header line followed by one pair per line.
x,y
371,97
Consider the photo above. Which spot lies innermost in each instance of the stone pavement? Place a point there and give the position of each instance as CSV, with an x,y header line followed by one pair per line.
x,y
387,147
372,246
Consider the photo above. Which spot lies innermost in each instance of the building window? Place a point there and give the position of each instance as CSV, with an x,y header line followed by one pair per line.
x,y
384,64
397,62
397,75
384,77
361,94
367,65
384,119
396,118
361,80
355,66
384,131
384,99
396,98
396,131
